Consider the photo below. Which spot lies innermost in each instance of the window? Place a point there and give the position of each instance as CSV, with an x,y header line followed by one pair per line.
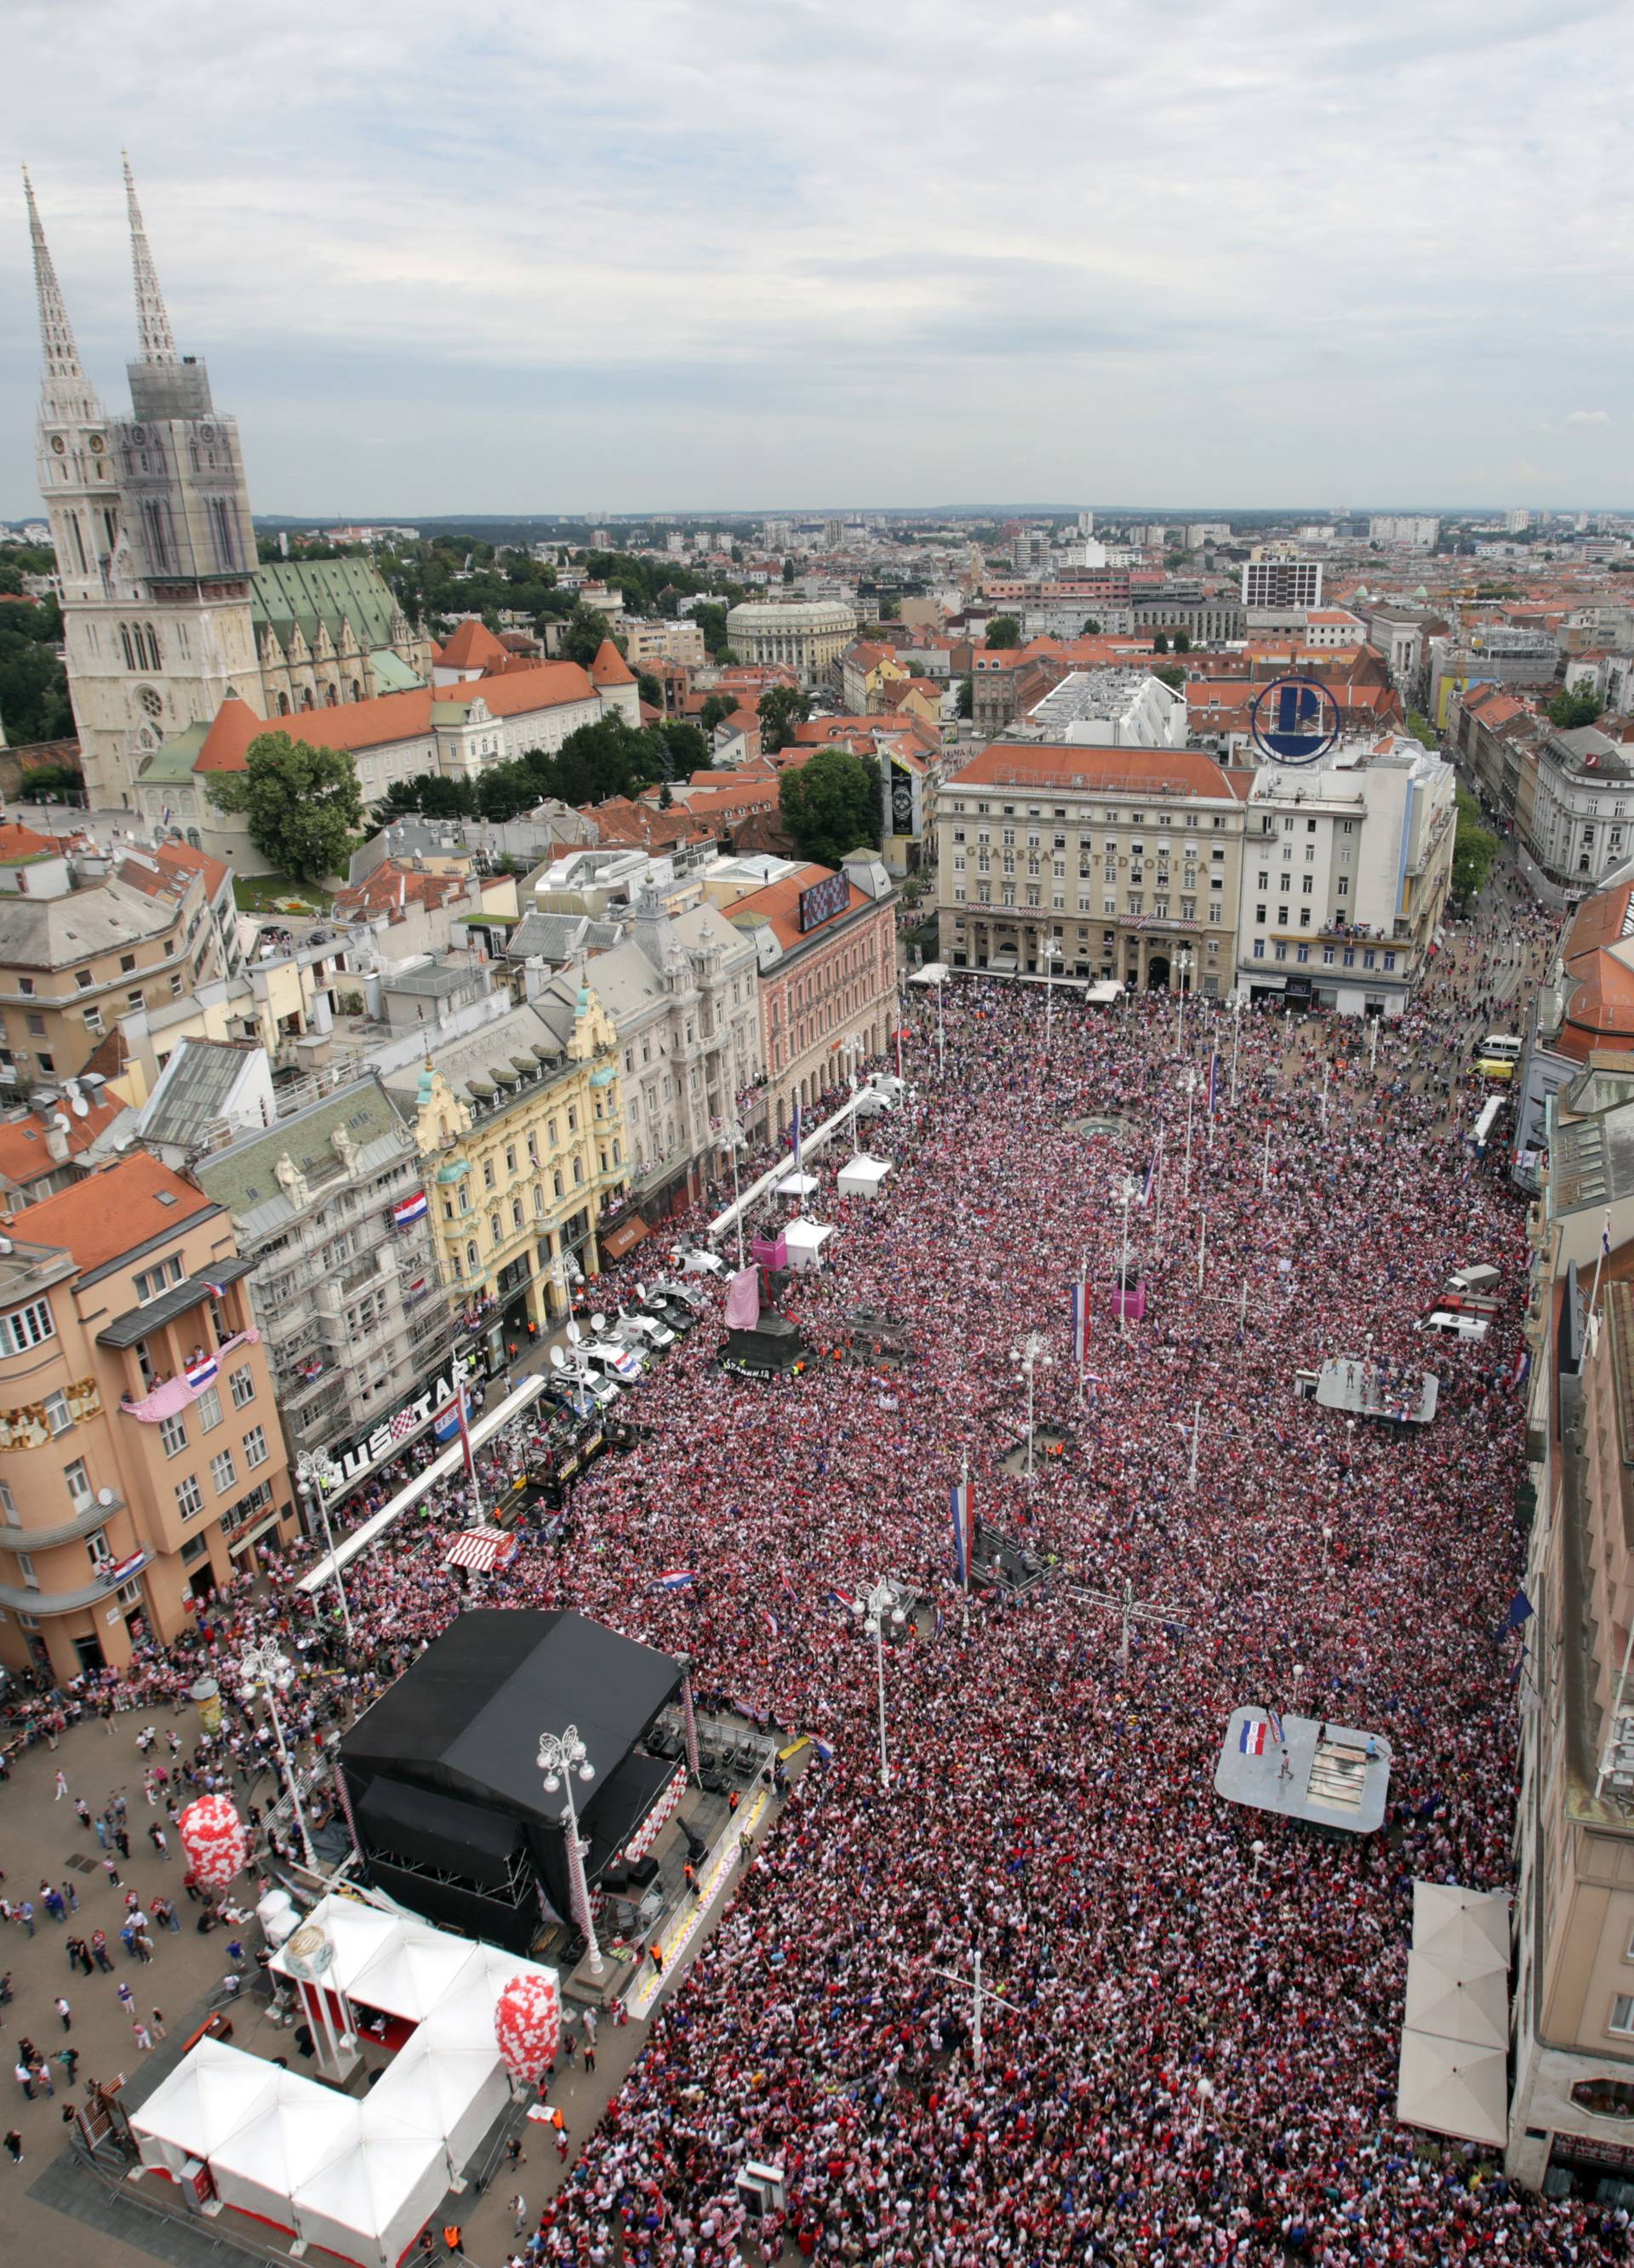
x,y
36,1025
209,1407
8,1504
127,962
31,1581
243,1385
100,1552
155,1281
488,1173
189,1497
255,1450
59,1417
223,1471
1259,948
26,1327
172,1434
79,1486
1621,2016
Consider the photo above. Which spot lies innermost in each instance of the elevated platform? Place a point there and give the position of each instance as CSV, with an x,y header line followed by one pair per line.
x,y
1329,1776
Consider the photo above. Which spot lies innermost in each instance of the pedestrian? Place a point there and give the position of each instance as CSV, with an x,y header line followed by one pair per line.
x,y
513,2151
62,1786
66,2012
41,2076
100,1825
111,1872
100,1953
82,1811
72,1896
68,2058
124,1841
158,2021
454,2237
127,1998
26,1915
14,2144
518,2209
25,2077
144,2037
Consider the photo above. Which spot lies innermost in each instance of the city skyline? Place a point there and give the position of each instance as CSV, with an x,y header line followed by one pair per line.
x,y
706,259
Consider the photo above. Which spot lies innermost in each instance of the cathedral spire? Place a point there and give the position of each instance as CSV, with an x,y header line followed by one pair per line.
x,y
57,337
152,322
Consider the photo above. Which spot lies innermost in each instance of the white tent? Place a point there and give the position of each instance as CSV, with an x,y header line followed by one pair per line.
x,y
211,2093
797,1185
1451,2087
261,2164
861,1176
806,1239
412,1971
445,2085
357,1932
370,2201
1451,1920
1471,2006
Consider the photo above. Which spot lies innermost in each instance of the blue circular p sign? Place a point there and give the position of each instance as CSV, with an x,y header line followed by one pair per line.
x,y
1294,720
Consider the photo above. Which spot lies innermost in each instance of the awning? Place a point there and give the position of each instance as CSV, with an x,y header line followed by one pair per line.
x,y
1450,2086
624,1238
483,1549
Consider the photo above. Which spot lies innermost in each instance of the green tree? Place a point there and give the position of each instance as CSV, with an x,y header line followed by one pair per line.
x,y
429,795
890,610
33,686
787,570
1160,644
1003,632
1568,710
966,696
647,687
711,620
52,784
781,709
715,711
1172,676
1474,849
1091,628
581,640
1182,641
685,746
828,805
301,802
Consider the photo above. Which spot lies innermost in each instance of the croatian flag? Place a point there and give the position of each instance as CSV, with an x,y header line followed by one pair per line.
x,y
1523,1364
1151,1171
1605,1236
838,1598
798,1168
409,1210
772,1625
962,1510
1273,1718
215,1291
823,1749
1251,1740
1081,1322
1214,1078
453,1418
200,1373
787,1580
677,1578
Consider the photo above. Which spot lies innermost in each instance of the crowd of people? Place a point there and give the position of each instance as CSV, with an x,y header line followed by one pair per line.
x,y
1191,2056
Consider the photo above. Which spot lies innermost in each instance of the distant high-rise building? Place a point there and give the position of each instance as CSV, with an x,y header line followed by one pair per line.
x,y
1518,520
1291,584
1419,531
1087,523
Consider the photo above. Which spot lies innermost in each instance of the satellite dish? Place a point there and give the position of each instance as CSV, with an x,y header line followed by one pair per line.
x,y
78,1104
573,1331
557,1358
598,1322
641,1291
59,1123
105,1497
5,1244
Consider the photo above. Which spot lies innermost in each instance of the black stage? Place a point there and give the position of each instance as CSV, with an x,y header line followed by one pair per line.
x,y
442,1779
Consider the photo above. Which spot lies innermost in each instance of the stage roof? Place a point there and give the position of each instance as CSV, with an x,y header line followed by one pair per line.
x,y
467,1716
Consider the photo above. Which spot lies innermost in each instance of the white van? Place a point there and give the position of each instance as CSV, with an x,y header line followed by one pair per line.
x,y
1499,1047
1479,1282
1456,1327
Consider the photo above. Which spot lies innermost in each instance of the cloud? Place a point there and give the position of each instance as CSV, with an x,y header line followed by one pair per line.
x,y
1589,417
692,253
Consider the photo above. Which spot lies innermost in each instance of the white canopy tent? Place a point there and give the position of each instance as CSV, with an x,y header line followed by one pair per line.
x,y
861,1175
797,1185
412,1971
450,2087
370,2202
1450,2086
1473,2007
806,1239
359,1934
1446,1916
260,2166
208,2096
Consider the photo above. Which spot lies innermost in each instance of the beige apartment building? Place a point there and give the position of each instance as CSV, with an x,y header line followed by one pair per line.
x,y
810,635
86,939
141,1460
1123,858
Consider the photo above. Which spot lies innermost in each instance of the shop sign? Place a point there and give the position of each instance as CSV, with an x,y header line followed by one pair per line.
x,y
359,1457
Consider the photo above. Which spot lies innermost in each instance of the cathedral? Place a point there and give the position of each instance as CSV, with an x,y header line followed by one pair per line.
x,y
166,613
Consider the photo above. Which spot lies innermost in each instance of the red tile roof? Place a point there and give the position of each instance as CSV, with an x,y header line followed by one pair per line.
x,y
609,666
117,1209
391,889
780,903
1031,763
23,1155
19,844
472,646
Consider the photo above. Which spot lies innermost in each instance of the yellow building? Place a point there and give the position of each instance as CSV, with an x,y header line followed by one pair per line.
x,y
523,1136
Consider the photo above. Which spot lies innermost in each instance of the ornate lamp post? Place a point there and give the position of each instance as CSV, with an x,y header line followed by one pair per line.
x,y
562,1755
314,1474
264,1669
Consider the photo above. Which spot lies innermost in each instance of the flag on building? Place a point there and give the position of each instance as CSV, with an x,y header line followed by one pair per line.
x,y
1081,1322
200,1373
215,1291
1605,1236
1520,1610
410,1209
454,1417
1252,1738
675,1578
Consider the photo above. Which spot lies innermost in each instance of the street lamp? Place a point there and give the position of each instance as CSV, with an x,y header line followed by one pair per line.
x,y
562,1755
1184,964
1033,1349
1130,1193
264,1669
1051,955
882,1609
1237,1002
315,1473
732,1140
1192,1081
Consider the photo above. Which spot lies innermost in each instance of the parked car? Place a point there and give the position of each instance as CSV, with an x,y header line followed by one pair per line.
x,y
637,1323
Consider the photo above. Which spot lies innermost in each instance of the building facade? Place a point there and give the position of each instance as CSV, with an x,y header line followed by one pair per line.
x,y
84,941
141,1463
1123,859
329,1206
164,610
1346,868
810,635
521,1138
681,993
825,946
1282,584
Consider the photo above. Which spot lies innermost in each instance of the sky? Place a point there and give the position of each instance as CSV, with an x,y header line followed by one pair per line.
x,y
671,255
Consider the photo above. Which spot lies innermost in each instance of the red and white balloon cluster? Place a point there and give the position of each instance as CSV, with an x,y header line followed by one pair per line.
x,y
527,2024
213,1837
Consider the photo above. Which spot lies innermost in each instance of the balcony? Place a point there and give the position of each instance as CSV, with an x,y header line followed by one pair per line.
x,y
174,1394
86,1522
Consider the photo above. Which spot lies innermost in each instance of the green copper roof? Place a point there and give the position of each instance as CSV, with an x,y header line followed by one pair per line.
x,y
288,594
172,766
392,673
